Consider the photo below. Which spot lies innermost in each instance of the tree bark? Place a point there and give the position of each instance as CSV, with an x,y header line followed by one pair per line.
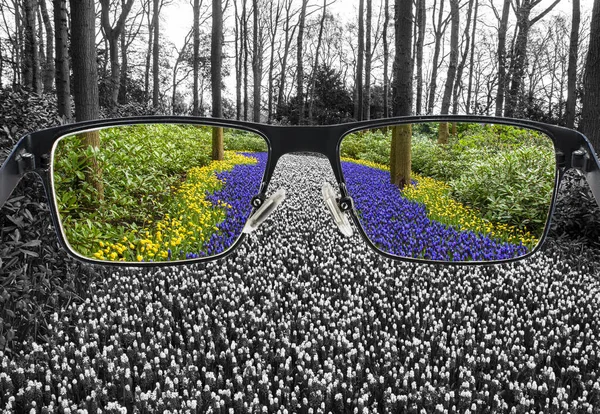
x,y
216,49
112,36
300,63
31,59
450,77
439,32
572,69
85,80
386,58
245,62
316,64
421,21
458,85
274,22
150,21
358,105
472,59
155,55
400,157
48,75
122,92
256,57
590,116
196,57
514,105
502,57
286,50
63,79
368,63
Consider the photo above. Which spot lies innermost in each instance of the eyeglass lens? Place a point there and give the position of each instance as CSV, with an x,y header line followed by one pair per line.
x,y
451,191
156,192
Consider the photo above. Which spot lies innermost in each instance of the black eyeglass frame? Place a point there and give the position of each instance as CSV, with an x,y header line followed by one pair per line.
x,y
33,153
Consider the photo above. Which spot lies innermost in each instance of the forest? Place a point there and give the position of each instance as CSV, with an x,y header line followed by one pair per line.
x,y
307,62
300,317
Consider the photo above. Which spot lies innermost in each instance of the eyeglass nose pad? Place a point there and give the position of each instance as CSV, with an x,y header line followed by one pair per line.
x,y
340,219
264,211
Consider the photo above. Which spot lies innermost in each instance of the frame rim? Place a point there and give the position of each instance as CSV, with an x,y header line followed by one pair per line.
x,y
41,143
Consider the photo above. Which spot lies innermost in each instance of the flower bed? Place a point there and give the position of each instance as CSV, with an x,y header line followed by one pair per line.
x,y
423,222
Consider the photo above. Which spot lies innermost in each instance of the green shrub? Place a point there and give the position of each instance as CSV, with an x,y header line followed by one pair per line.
x,y
238,140
513,187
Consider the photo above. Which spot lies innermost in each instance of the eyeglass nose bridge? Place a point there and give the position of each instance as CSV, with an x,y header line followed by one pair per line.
x,y
316,139
287,140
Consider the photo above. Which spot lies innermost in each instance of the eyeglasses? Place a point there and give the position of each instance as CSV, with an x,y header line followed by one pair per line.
x,y
151,191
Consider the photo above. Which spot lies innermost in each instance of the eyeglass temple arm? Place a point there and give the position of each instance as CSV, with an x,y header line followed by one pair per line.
x,y
586,161
18,162
593,179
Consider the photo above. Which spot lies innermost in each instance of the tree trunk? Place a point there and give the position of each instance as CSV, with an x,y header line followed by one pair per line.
x,y
112,35
150,20
514,105
316,64
31,59
400,157
458,85
502,57
590,116
454,13
358,104
368,61
196,58
300,62
63,81
245,53
85,80
155,55
286,50
472,58
572,69
274,26
41,46
386,58
48,75
256,75
122,95
439,32
238,62
421,21
19,40
216,53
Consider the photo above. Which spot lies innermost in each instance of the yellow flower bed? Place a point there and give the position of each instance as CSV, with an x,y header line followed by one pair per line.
x,y
190,222
435,195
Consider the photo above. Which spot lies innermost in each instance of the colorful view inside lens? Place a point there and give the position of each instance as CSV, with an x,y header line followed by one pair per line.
x,y
156,192
451,191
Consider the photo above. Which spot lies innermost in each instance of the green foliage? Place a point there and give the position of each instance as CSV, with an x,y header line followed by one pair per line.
x,y
514,186
505,172
140,164
238,140
370,145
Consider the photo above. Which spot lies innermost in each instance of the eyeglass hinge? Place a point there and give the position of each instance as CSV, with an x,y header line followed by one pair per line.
x,y
561,159
25,162
579,160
